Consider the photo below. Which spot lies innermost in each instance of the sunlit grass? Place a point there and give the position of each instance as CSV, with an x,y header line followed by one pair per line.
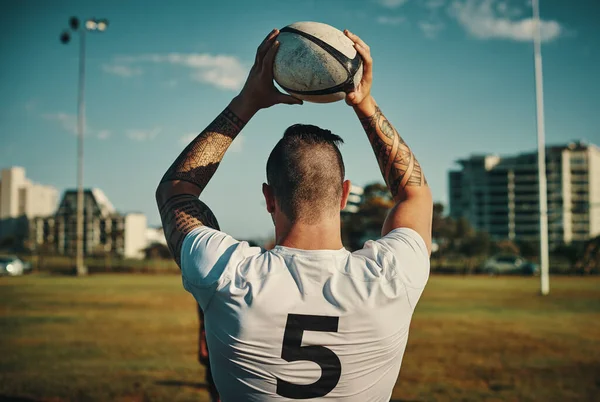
x,y
133,338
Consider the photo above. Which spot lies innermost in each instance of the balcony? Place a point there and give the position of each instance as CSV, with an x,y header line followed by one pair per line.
x,y
526,199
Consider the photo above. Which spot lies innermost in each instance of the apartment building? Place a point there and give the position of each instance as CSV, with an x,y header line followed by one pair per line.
x,y
105,230
354,199
20,196
500,194
20,200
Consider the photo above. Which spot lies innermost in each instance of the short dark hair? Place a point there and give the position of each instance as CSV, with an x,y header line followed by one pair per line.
x,y
306,172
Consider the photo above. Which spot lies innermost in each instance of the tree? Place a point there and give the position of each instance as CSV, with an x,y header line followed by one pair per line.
x,y
476,245
589,262
443,229
8,242
463,229
506,247
367,222
157,251
570,252
529,249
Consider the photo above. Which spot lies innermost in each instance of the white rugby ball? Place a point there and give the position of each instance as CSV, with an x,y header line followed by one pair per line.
x,y
316,62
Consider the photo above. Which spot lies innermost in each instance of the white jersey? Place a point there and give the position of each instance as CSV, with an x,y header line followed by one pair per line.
x,y
289,324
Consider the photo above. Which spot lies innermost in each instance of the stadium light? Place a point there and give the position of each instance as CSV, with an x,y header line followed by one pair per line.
x,y
65,37
102,25
90,25
539,100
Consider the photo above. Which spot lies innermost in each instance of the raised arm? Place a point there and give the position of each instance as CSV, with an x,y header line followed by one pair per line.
x,y
177,194
399,166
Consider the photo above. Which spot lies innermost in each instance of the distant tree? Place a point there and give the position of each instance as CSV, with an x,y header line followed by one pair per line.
x,y
589,261
529,249
463,229
474,247
443,230
367,222
506,247
377,190
8,243
570,252
477,244
451,234
157,251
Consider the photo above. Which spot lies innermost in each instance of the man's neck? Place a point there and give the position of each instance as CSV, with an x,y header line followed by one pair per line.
x,y
323,236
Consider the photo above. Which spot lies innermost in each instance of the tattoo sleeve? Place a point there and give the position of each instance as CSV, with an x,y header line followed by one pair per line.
x,y
181,213
200,159
398,164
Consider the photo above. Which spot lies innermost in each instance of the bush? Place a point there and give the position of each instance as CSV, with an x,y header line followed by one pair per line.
x,y
66,265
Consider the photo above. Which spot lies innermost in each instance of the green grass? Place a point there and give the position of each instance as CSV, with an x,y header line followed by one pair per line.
x,y
133,338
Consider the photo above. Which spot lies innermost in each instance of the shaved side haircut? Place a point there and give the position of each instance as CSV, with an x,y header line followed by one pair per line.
x,y
306,172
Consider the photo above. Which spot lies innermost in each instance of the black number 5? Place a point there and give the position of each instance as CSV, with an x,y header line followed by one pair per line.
x,y
331,368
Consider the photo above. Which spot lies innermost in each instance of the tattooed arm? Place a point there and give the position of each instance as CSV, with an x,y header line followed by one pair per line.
x,y
177,194
399,166
401,172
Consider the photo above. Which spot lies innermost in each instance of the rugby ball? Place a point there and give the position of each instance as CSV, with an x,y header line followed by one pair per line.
x,y
316,62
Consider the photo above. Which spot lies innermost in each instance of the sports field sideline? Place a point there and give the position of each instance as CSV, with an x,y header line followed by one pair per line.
x,y
133,338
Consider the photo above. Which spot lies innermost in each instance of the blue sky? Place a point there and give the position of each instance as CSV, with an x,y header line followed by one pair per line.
x,y
455,77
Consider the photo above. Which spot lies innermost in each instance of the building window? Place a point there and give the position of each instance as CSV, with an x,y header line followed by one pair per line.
x,y
22,201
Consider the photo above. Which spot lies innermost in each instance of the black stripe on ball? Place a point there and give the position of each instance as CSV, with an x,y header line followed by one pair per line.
x,y
346,86
350,65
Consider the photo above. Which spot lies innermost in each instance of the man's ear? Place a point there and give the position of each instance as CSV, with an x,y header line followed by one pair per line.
x,y
346,187
269,197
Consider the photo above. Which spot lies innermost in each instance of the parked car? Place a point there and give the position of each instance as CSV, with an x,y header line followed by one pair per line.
x,y
509,264
11,265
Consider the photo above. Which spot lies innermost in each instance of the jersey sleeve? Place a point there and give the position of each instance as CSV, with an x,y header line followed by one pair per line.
x,y
402,253
206,254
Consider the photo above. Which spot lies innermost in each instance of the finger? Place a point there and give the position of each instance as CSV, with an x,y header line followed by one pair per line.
x,y
367,60
351,98
265,44
267,63
288,100
356,39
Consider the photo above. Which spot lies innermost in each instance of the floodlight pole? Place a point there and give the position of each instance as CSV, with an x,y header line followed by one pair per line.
x,y
543,205
77,26
79,262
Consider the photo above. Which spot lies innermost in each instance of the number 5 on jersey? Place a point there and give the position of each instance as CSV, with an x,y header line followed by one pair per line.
x,y
331,368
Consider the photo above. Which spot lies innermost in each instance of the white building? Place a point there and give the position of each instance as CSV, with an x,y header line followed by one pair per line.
x,y
105,230
354,199
155,236
21,200
500,195
21,197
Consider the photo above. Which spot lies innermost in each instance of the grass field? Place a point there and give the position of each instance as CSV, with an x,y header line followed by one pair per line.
x,y
133,338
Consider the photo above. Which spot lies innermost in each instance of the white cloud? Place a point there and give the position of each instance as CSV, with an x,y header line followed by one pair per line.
x,y
430,29
434,4
103,134
222,71
69,123
187,138
392,3
384,20
236,145
143,134
121,70
490,19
